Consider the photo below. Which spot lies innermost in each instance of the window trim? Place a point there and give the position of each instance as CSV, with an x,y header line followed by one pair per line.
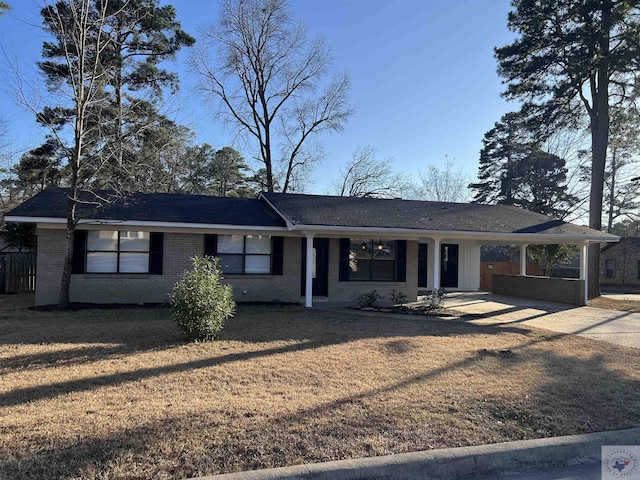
x,y
118,251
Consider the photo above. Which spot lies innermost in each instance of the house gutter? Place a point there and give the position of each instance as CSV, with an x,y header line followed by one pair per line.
x,y
470,235
145,224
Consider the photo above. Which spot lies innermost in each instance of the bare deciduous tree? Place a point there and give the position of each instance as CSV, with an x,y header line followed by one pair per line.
x,y
444,184
367,176
269,81
74,72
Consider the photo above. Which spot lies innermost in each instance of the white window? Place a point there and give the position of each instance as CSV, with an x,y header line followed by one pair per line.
x,y
117,252
245,253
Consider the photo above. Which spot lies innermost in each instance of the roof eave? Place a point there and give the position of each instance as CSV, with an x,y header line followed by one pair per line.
x,y
144,224
470,235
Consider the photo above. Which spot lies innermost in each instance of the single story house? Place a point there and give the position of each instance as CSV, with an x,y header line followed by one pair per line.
x,y
620,263
281,247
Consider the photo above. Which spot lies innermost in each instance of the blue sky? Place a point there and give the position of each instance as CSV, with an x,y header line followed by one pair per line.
x,y
424,81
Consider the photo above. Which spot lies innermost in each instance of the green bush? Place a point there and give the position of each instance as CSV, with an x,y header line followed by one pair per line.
x,y
200,302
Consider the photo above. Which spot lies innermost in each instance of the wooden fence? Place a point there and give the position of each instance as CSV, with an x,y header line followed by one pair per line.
x,y
488,269
18,272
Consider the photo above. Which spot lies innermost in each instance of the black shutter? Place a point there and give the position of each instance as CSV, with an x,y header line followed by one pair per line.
x,y
156,250
422,265
79,251
345,246
211,245
277,255
401,260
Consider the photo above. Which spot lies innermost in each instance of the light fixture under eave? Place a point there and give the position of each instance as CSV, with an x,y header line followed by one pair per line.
x,y
380,245
363,245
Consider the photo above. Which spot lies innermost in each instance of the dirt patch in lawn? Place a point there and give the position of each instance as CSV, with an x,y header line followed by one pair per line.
x,y
116,394
612,304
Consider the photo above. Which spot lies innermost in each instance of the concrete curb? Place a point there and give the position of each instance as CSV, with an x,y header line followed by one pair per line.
x,y
452,463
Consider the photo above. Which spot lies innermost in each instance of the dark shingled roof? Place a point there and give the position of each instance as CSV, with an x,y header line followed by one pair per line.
x,y
418,215
634,241
310,210
156,207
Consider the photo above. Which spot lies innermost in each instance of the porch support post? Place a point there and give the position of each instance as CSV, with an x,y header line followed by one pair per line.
x,y
308,288
436,263
523,260
584,270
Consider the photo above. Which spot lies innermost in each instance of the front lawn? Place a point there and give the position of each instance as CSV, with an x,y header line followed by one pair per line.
x,y
613,304
106,394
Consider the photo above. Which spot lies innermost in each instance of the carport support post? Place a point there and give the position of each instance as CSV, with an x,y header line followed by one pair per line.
x,y
584,270
523,260
308,287
436,263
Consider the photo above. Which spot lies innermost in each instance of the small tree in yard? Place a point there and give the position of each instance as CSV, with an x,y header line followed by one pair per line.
x,y
200,302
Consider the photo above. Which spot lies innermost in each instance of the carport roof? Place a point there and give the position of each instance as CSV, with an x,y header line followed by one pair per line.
x,y
353,212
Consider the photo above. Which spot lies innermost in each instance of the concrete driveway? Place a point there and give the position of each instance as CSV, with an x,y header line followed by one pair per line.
x,y
621,328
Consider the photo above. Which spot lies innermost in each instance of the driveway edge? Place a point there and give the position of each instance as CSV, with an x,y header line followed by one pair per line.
x,y
451,463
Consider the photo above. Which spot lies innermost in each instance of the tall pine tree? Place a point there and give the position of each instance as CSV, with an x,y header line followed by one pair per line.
x,y
514,170
504,146
570,58
95,50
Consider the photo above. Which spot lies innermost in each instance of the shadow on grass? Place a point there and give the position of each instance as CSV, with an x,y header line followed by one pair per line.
x,y
579,395
117,333
67,357
297,323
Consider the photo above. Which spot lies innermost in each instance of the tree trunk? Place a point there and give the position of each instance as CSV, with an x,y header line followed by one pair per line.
x,y
65,283
612,189
599,126
599,134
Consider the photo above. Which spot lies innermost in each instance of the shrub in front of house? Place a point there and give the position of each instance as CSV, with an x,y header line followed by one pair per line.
x,y
200,303
368,299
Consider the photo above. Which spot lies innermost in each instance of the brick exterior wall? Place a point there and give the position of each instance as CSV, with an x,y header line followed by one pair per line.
x,y
51,248
142,288
563,290
178,250
345,291
625,256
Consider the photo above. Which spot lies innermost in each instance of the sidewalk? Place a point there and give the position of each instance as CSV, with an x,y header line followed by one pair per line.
x,y
451,463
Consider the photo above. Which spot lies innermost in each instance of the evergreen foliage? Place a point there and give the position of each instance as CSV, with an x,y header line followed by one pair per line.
x,y
200,303
97,48
570,58
514,170
550,256
504,146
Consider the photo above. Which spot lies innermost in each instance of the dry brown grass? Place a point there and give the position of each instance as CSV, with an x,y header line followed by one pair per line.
x,y
105,394
611,304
